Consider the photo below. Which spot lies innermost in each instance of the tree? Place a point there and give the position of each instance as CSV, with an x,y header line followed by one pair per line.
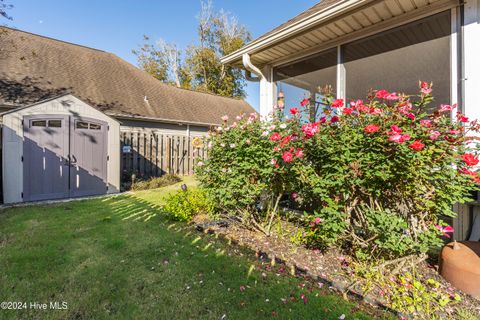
x,y
152,60
199,67
3,10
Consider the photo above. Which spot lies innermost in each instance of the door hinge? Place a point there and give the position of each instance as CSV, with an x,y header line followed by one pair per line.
x,y
22,158
108,158
106,188
108,128
22,123
22,195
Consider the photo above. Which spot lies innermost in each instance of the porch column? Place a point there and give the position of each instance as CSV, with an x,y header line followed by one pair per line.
x,y
268,91
469,103
471,62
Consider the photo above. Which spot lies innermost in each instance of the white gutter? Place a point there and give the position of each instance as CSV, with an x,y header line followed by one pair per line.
x,y
162,120
250,68
329,12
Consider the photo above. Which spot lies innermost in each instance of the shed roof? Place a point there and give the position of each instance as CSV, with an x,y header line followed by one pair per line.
x,y
35,68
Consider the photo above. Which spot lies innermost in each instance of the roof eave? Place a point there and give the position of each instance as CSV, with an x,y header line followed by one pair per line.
x,y
306,23
152,119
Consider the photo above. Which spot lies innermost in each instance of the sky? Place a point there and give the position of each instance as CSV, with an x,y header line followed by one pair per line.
x,y
118,26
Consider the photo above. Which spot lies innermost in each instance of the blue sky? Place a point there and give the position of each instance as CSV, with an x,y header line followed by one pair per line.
x,y
118,26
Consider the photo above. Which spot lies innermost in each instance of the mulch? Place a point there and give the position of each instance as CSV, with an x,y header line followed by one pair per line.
x,y
330,267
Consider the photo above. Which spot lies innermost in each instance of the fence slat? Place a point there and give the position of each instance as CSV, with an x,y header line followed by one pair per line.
x,y
153,154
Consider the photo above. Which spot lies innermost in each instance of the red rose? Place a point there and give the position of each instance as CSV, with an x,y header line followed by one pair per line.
x,y
347,111
286,140
304,102
382,94
275,136
395,129
338,103
334,119
371,128
411,116
287,156
462,118
294,111
416,145
470,159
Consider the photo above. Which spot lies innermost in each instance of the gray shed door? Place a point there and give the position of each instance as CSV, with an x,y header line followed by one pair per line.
x,y
88,149
45,150
63,157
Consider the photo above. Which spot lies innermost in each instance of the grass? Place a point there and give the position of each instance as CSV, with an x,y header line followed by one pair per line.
x,y
117,258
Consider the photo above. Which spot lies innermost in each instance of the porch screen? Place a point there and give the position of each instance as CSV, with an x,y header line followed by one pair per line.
x,y
302,79
397,59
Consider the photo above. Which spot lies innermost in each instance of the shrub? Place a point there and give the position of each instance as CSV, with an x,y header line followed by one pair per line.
x,y
238,174
183,205
158,182
391,169
378,173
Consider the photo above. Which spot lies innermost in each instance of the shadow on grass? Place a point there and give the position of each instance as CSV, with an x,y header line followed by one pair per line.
x,y
129,207
120,258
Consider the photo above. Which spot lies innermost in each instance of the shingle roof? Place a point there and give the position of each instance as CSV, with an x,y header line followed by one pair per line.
x,y
34,68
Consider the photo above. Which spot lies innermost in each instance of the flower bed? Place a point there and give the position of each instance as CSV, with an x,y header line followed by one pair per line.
x,y
337,271
375,179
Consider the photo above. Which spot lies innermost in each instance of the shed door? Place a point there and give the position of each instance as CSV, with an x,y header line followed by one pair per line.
x,y
45,154
88,152
64,156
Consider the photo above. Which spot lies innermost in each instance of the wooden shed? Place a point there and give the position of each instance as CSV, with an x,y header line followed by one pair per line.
x,y
59,148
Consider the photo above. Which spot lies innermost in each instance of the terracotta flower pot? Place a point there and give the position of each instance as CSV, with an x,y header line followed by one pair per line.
x,y
460,265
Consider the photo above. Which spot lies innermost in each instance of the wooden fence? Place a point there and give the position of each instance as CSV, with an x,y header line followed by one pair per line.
x,y
150,154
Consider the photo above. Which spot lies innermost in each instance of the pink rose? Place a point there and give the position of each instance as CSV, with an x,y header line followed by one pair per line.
x,y
299,153
446,107
425,87
310,129
287,156
275,136
426,123
445,230
434,135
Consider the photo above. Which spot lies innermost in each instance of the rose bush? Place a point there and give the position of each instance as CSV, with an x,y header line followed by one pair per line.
x,y
376,173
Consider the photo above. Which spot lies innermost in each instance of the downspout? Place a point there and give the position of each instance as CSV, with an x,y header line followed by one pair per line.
x,y
250,68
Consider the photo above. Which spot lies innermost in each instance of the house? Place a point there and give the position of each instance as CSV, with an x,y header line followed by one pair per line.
x,y
357,45
79,119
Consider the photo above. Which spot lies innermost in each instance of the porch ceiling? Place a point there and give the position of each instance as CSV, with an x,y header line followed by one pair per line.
x,y
341,22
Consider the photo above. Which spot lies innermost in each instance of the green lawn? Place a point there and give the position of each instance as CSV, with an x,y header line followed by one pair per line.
x,y
117,258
